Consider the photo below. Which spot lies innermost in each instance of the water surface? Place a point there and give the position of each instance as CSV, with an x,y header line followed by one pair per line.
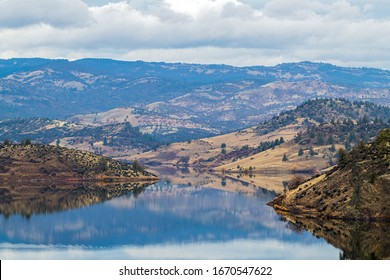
x,y
202,218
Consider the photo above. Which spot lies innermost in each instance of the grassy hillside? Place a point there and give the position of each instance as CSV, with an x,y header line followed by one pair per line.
x,y
324,126
52,163
285,157
305,139
214,151
358,188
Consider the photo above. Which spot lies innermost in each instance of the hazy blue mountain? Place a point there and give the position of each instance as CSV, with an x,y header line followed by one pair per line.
x,y
208,99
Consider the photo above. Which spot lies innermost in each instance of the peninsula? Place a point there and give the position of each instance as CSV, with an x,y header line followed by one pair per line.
x,y
35,162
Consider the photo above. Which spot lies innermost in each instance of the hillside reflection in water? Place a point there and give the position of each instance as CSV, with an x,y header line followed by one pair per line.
x,y
207,218
358,240
27,200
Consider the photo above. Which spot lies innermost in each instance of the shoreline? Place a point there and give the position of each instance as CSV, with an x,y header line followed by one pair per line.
x,y
42,179
307,214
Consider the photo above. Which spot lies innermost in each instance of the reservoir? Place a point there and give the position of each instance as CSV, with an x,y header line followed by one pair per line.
x,y
180,217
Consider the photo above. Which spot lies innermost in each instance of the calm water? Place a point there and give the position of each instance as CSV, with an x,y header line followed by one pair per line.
x,y
167,220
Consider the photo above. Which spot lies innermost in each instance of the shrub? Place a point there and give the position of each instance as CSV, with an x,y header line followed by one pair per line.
x,y
138,167
26,142
295,182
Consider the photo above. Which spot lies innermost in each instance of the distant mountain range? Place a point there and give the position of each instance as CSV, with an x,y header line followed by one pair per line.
x,y
175,101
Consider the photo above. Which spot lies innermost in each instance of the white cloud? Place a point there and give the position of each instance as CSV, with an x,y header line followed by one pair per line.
x,y
309,9
240,32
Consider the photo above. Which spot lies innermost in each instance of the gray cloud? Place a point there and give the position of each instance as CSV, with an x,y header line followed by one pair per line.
x,y
60,13
240,32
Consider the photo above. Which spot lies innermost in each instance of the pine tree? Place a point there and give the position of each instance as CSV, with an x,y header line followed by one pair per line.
x,y
320,138
343,157
103,164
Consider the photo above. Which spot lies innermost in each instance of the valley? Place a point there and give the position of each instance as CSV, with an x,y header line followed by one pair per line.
x,y
243,123
219,143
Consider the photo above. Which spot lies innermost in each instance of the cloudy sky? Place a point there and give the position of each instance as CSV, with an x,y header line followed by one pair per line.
x,y
236,32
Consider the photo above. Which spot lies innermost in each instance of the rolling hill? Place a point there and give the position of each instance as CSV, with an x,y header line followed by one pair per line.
x,y
36,162
304,139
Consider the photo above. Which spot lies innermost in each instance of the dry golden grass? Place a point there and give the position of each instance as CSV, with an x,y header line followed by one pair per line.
x,y
206,148
272,160
291,195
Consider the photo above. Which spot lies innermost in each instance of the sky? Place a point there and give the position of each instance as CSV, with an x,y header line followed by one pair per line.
x,y
234,32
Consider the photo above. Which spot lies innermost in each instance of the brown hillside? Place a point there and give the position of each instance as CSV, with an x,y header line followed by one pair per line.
x,y
207,152
53,163
359,188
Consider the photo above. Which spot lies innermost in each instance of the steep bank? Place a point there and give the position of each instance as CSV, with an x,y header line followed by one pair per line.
x,y
357,189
